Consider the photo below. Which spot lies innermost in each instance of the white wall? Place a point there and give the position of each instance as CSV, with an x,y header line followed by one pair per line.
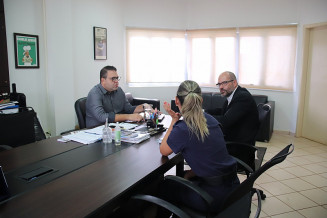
x,y
65,28
67,68
27,17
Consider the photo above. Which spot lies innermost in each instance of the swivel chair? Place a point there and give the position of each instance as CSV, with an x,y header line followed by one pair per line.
x,y
236,204
264,111
246,152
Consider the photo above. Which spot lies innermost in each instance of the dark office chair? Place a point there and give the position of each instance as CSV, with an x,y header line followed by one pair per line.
x,y
81,112
246,152
19,128
264,111
137,101
237,204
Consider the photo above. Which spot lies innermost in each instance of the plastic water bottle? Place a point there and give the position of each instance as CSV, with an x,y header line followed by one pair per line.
x,y
106,133
117,135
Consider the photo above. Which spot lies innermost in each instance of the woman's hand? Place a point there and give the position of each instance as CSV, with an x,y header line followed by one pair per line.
x,y
175,116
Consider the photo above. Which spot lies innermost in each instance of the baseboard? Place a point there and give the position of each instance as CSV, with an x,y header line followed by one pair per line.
x,y
281,132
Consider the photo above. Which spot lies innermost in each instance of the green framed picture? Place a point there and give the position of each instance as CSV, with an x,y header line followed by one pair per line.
x,y
26,50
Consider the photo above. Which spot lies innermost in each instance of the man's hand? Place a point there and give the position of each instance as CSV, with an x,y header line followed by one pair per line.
x,y
135,117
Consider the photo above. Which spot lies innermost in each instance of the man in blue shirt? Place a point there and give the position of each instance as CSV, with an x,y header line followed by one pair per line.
x,y
108,100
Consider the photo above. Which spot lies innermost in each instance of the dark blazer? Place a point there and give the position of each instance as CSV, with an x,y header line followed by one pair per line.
x,y
240,119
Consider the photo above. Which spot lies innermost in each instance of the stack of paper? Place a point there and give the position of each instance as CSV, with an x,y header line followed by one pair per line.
x,y
9,107
83,137
97,130
89,136
12,104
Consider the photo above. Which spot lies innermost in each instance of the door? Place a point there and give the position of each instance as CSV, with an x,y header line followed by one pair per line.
x,y
314,126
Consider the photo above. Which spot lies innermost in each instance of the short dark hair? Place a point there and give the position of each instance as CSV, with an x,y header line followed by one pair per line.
x,y
104,71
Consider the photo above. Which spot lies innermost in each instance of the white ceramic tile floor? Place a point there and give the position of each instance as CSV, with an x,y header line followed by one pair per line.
x,y
298,186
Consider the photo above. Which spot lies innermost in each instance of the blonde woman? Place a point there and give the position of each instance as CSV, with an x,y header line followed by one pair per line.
x,y
200,140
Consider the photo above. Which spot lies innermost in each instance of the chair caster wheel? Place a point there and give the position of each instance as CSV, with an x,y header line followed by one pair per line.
x,y
263,196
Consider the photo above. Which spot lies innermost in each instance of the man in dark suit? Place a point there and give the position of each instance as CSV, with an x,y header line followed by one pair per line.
x,y
240,118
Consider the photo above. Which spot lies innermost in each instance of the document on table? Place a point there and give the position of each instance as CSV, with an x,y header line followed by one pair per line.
x,y
97,130
83,137
89,136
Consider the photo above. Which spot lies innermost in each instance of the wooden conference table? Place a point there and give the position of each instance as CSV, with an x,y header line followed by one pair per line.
x,y
93,190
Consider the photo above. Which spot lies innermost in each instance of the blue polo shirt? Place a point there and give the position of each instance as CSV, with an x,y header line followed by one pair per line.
x,y
208,158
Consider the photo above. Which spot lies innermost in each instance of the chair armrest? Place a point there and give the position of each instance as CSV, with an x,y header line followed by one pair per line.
x,y
215,111
243,151
241,144
165,204
247,168
181,181
5,147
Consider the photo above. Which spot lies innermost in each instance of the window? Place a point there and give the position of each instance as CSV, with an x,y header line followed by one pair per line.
x,y
211,53
261,57
267,57
155,56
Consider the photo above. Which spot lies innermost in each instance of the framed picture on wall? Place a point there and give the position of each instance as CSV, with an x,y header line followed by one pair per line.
x,y
26,50
100,43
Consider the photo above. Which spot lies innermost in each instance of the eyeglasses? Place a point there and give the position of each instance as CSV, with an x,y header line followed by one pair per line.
x,y
115,79
224,83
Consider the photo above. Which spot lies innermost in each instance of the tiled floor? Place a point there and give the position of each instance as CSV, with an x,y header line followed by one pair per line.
x,y
296,187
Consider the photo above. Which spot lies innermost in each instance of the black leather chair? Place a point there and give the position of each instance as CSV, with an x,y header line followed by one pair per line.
x,y
19,128
80,110
264,111
246,152
137,101
238,202
252,155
